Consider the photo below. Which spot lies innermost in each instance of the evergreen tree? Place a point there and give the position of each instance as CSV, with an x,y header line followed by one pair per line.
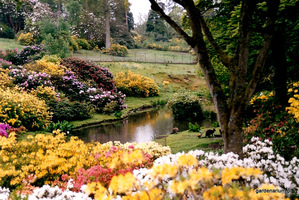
x,y
155,26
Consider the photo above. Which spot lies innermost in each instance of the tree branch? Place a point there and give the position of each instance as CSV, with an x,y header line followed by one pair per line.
x,y
261,59
172,23
220,53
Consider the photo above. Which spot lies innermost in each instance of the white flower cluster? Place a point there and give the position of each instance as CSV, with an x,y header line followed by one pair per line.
x,y
4,193
46,192
277,171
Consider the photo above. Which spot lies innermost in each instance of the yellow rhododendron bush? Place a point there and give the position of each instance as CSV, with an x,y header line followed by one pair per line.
x,y
26,39
51,159
136,85
55,70
4,78
294,101
19,108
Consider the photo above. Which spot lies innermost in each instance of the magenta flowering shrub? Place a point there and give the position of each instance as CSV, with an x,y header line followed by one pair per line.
x,y
9,55
5,64
3,129
72,87
100,99
28,54
91,71
29,80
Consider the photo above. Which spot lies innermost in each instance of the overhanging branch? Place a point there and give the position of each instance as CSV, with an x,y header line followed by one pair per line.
x,y
172,23
220,53
261,59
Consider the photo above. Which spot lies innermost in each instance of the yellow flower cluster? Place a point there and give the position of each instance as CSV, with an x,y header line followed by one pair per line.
x,y
26,39
45,66
48,157
294,101
234,173
154,46
136,85
199,183
20,108
116,50
153,148
45,93
262,98
4,78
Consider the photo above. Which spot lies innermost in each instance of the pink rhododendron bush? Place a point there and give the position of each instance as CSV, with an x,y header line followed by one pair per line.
x,y
126,171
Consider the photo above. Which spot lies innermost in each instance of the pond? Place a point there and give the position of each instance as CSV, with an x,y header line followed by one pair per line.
x,y
140,127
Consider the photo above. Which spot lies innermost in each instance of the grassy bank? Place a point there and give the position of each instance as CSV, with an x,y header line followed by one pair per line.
x,y
187,141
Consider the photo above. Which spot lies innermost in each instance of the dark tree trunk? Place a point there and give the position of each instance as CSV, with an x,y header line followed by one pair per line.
x,y
230,111
280,68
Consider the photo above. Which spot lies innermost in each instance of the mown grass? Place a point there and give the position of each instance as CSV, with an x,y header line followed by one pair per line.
x,y
9,44
137,55
187,141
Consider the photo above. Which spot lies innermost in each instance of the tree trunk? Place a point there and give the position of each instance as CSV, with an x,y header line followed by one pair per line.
x,y
230,111
107,24
280,68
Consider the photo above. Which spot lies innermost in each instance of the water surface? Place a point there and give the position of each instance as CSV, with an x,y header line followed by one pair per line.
x,y
140,127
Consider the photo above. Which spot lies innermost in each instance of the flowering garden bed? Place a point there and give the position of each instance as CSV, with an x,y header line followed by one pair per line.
x,y
49,167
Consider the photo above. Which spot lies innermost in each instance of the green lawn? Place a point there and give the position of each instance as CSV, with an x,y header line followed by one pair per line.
x,y
9,44
137,55
187,141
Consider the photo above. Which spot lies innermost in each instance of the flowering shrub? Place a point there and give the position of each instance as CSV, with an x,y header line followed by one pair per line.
x,y
103,99
83,44
186,106
4,78
90,71
29,80
3,129
48,157
185,178
51,58
72,87
20,108
271,121
47,192
9,55
28,54
5,64
294,101
276,170
4,193
136,85
116,50
154,46
26,39
45,66
45,93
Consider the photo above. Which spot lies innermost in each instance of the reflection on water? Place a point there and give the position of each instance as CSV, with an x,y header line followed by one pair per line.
x,y
141,127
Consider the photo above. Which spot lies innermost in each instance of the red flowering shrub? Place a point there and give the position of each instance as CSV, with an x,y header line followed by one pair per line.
x,y
272,121
86,70
113,162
